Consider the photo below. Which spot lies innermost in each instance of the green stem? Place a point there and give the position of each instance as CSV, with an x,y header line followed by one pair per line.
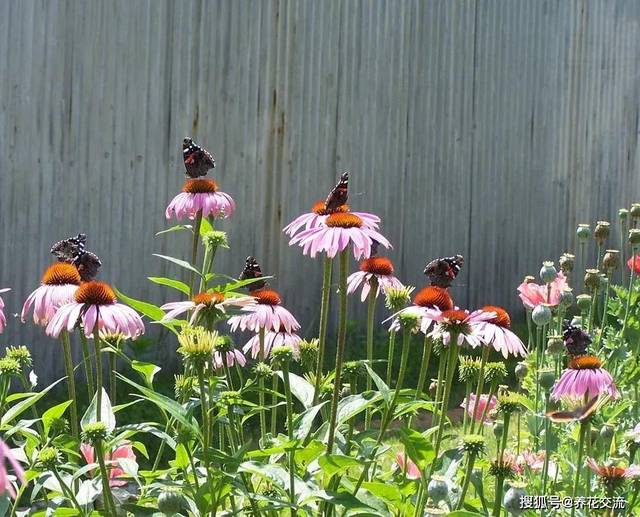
x,y
66,490
97,343
88,367
194,250
263,416
471,459
292,452
392,346
342,337
107,498
583,433
274,404
424,366
322,332
442,366
465,416
113,368
71,382
497,502
480,386
371,311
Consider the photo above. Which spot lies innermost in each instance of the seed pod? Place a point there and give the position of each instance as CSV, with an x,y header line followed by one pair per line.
x,y
583,232
592,279
567,261
583,301
601,233
541,315
548,272
611,260
635,210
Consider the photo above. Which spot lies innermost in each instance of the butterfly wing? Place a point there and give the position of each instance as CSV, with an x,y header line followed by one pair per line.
x,y
197,160
578,414
252,270
69,250
443,271
88,265
339,194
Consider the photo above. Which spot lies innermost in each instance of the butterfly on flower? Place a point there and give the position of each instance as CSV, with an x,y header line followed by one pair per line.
x,y
73,251
575,339
339,194
252,270
197,160
443,271
579,414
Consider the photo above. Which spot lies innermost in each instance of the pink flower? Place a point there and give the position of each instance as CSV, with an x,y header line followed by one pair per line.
x,y
3,319
228,357
634,264
413,472
534,461
200,195
463,324
267,314
496,333
379,269
6,455
340,230
318,215
95,304
611,474
272,339
533,294
584,377
215,301
59,284
124,452
470,406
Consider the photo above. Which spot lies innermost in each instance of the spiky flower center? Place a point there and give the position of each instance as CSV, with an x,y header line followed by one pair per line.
x,y
455,315
377,266
585,362
266,296
95,293
434,296
319,209
502,318
61,273
343,220
208,299
200,186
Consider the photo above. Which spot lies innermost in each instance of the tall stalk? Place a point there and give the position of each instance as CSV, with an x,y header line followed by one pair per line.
x,y
480,386
97,343
263,416
634,250
371,311
194,249
322,332
71,381
342,337
88,367
584,425
292,452
392,346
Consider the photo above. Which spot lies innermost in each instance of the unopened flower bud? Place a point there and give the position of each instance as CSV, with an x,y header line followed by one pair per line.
x,y
354,369
95,432
623,214
634,237
495,371
555,345
635,210
438,489
397,298
9,367
583,301
214,239
546,378
611,260
513,498
583,232
281,355
601,233
566,298
20,354
592,279
548,272
541,315
408,321
567,261
170,501
308,354
262,371
473,444
433,388
49,457
521,370
498,428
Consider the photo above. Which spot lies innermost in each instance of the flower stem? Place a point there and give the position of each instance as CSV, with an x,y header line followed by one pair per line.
x,y
583,433
107,498
66,490
392,346
71,381
324,317
113,368
442,366
194,249
480,386
342,337
471,459
274,404
292,452
263,416
424,366
88,368
97,343
371,311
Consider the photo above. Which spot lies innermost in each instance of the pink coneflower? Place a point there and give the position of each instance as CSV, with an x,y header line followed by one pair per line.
x,y
584,377
533,294
272,339
413,472
124,452
3,319
6,455
428,304
464,324
534,461
267,314
496,333
200,194
378,268
211,301
95,304
611,476
338,231
228,357
59,284
318,215
470,406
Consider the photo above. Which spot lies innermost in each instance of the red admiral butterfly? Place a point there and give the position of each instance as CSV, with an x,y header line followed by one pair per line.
x,y
575,339
579,414
197,160
339,194
443,271
72,251
252,270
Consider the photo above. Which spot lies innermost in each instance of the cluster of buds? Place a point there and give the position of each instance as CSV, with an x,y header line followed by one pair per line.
x,y
495,372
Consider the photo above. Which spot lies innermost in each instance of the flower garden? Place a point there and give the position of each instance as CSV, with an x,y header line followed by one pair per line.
x,y
259,421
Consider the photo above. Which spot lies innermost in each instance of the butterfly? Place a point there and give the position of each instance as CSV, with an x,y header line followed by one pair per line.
x,y
197,160
252,270
578,414
339,194
73,251
443,271
575,339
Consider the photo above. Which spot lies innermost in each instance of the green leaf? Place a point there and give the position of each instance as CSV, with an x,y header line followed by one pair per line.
x,y
178,262
239,284
21,407
153,312
176,228
106,413
170,282
205,227
418,448
146,370
352,405
303,422
182,458
300,389
52,414
380,384
388,492
332,464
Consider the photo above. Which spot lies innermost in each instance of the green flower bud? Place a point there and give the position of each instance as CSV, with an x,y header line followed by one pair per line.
x,y
634,237
229,398
473,444
95,432
567,261
566,298
623,214
9,367
555,345
49,457
354,369
408,321
215,239
635,210
170,501
508,403
498,428
262,371
309,354
521,370
584,302
468,369
281,355
20,354
184,386
546,378
196,344
503,468
548,272
495,371
583,232
397,299
513,497
541,315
